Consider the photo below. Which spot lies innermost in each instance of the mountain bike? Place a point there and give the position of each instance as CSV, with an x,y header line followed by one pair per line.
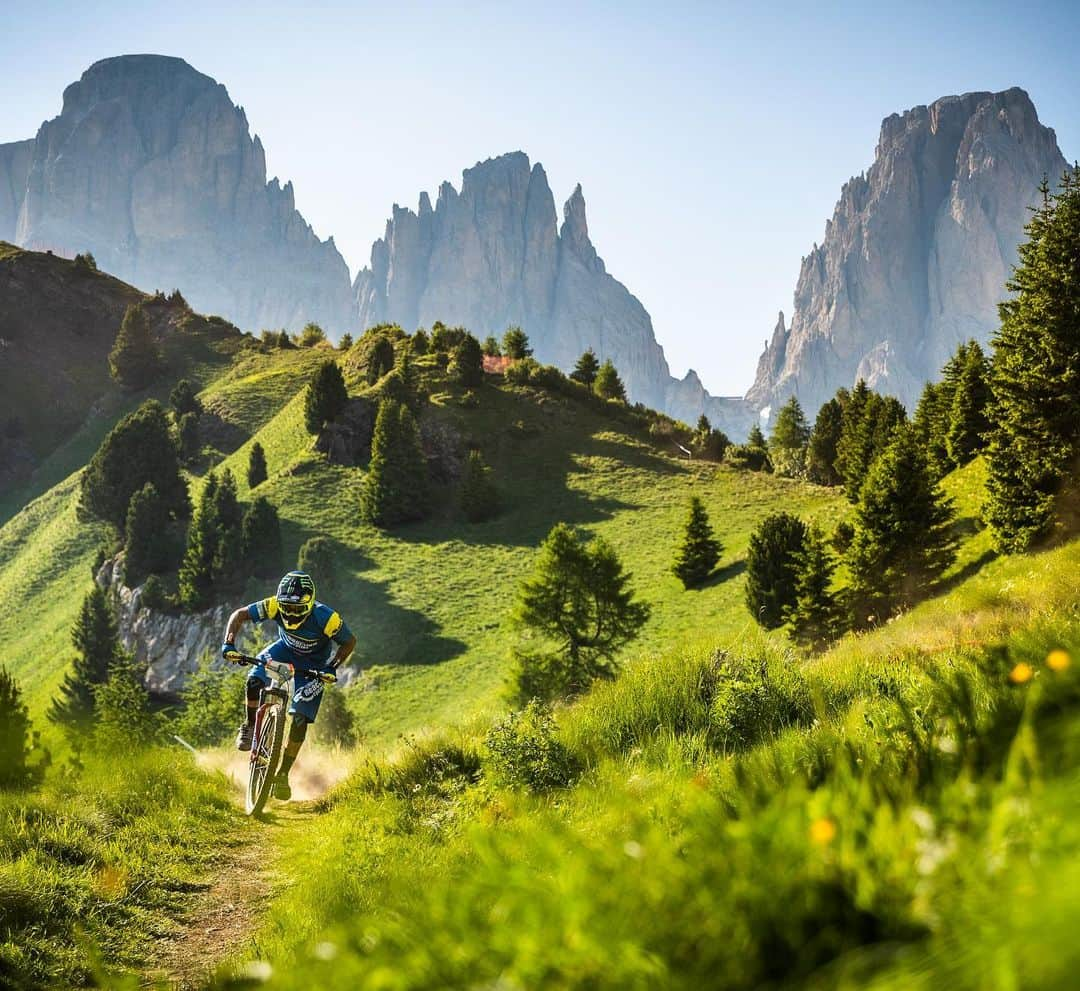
x,y
269,729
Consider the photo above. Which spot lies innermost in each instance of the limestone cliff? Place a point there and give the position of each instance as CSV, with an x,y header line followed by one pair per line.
x,y
152,168
15,161
493,255
916,255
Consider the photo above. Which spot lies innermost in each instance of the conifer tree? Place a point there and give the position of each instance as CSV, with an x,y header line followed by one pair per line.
x,y
968,420
903,532
260,539
196,579
346,342
479,497
578,596
790,437
96,639
814,617
376,355
697,555
467,362
515,344
421,343
146,536
135,359
1035,375
821,452
586,369
139,449
229,515
868,424
183,399
187,437
408,376
929,424
15,738
326,396
608,385
772,568
256,470
491,348
395,488
123,715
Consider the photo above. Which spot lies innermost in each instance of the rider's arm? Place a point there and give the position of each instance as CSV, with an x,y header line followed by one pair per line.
x,y
344,651
236,620
337,631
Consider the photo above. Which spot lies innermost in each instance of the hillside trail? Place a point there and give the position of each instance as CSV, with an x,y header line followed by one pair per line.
x,y
226,910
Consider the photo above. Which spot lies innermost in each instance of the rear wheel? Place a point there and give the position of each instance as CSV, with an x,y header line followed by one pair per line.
x,y
265,756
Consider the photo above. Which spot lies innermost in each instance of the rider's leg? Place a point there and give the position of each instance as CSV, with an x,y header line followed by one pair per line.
x,y
297,734
307,697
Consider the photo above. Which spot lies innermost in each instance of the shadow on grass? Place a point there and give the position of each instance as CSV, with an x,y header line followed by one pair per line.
x,y
724,574
964,573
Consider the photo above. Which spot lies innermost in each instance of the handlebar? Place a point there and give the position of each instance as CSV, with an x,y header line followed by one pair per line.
x,y
326,677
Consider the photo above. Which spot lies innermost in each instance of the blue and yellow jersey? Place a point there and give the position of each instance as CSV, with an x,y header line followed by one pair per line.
x,y
310,642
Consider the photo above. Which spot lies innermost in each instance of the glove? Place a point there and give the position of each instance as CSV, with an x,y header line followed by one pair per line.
x,y
229,651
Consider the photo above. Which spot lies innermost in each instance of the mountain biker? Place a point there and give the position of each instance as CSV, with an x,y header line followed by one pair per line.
x,y
306,630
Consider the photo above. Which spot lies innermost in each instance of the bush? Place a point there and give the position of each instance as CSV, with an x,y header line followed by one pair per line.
x,y
213,703
153,594
335,724
148,546
188,442
467,363
372,356
346,342
515,344
183,399
123,715
445,339
311,335
524,752
772,568
757,698
522,372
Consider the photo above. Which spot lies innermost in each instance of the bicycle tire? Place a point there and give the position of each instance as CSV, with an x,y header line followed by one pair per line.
x,y
266,755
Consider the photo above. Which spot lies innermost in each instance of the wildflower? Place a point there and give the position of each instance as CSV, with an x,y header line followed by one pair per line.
x,y
823,831
1021,674
1058,660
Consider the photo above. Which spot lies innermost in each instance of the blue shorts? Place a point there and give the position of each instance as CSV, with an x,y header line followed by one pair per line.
x,y
307,688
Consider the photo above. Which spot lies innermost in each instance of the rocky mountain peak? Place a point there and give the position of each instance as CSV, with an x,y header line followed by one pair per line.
x,y
917,252
152,168
575,231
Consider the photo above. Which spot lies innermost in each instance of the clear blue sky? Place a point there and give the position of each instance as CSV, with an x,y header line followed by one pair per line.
x,y
711,141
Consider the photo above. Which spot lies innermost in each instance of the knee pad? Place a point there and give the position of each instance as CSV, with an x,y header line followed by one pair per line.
x,y
298,729
254,686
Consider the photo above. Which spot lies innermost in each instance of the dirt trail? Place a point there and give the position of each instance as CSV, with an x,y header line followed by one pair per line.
x,y
226,913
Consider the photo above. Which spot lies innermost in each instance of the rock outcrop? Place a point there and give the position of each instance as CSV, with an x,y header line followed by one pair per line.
x,y
15,159
494,255
152,168
916,255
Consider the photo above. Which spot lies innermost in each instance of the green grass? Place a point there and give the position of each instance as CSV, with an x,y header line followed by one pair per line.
x,y
917,831
99,861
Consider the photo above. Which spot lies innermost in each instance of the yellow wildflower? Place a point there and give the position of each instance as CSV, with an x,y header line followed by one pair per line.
x,y
1058,660
823,831
1021,674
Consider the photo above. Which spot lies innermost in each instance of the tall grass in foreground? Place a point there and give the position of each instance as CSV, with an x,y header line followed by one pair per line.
x,y
94,862
737,824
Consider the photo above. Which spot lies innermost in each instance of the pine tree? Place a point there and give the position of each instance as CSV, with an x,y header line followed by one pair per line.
x,y
395,488
196,579
147,544
929,424
868,424
229,516
98,644
586,369
15,737
135,359
821,453
467,362
187,437
578,597
260,539
699,551
479,497
326,396
123,715
608,385
1035,375
491,348
903,532
772,568
790,437
968,420
311,335
183,399
515,344
139,449
346,342
256,470
421,343
814,617
408,376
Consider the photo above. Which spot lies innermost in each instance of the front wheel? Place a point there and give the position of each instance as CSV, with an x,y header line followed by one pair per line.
x,y
265,756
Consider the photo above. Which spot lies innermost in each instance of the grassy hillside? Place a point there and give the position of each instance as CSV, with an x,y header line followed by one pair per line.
x,y
899,815
430,601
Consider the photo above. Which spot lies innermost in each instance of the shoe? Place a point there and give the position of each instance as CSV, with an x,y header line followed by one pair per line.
x,y
281,790
243,737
